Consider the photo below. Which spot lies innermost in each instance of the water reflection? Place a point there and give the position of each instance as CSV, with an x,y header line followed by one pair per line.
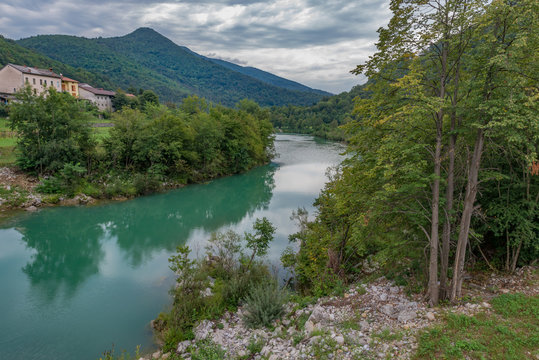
x,y
103,272
68,242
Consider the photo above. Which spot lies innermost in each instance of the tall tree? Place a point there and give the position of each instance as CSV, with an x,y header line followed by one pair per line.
x,y
430,32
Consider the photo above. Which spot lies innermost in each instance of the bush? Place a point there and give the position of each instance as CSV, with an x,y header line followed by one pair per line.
x,y
4,110
264,304
208,350
67,181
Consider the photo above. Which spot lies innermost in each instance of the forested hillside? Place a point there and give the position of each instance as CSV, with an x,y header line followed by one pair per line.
x,y
146,59
11,52
321,119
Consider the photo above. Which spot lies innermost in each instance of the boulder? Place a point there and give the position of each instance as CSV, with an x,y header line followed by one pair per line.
x,y
407,315
203,330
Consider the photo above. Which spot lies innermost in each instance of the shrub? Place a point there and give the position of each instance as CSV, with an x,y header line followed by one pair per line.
x,y
264,304
208,350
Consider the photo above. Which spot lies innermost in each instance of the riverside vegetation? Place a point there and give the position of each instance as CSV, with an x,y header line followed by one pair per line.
x,y
439,187
150,147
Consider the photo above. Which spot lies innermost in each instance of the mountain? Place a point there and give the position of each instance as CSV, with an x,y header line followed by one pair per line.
x,y
147,59
11,52
268,77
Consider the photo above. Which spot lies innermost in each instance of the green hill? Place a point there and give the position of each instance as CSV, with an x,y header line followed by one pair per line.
x,y
321,119
146,59
11,52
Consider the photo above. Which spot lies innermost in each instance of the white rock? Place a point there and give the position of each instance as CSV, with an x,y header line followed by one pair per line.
x,y
183,346
309,326
430,316
339,339
156,355
318,314
407,315
387,309
203,330
383,297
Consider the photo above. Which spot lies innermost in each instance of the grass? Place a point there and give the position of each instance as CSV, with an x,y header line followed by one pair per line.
x,y
509,331
101,133
7,150
7,143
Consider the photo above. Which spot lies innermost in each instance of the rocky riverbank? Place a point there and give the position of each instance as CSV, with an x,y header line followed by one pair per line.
x,y
377,320
17,191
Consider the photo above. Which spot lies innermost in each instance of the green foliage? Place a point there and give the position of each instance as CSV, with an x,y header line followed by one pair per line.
x,y
53,131
223,271
188,146
263,305
322,119
432,84
260,240
146,59
255,346
208,350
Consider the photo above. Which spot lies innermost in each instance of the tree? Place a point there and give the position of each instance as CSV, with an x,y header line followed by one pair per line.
x,y
434,35
260,240
54,130
148,97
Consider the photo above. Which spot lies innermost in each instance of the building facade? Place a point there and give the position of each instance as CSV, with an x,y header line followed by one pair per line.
x,y
99,97
15,77
70,86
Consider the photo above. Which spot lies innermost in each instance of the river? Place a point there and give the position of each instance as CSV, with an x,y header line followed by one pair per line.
x,y
77,281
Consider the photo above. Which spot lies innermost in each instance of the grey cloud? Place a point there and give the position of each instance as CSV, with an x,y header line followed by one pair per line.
x,y
278,25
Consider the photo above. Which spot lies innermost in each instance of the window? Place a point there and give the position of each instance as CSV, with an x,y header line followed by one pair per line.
x,y
45,82
34,80
73,88
27,81
35,92
40,81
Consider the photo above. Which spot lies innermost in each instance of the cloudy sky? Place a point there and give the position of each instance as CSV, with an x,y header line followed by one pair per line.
x,y
314,42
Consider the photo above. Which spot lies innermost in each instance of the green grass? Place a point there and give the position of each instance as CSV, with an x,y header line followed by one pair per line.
x,y
7,150
510,331
4,125
101,133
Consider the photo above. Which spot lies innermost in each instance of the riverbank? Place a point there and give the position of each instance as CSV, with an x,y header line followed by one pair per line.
x,y
18,192
380,320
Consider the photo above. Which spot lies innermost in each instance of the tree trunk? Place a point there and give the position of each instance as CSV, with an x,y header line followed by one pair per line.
x,y
446,234
465,221
433,261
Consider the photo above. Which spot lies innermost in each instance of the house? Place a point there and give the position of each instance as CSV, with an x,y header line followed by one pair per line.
x,y
70,86
99,97
15,77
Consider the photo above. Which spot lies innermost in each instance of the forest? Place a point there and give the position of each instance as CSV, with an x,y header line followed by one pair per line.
x,y
441,176
150,147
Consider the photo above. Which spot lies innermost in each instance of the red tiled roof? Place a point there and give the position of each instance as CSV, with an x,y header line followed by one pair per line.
x,y
65,78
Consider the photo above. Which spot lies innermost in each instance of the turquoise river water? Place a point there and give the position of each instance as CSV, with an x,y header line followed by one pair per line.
x,y
77,280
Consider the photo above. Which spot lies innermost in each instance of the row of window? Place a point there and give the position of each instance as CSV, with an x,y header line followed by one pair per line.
x,y
42,82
